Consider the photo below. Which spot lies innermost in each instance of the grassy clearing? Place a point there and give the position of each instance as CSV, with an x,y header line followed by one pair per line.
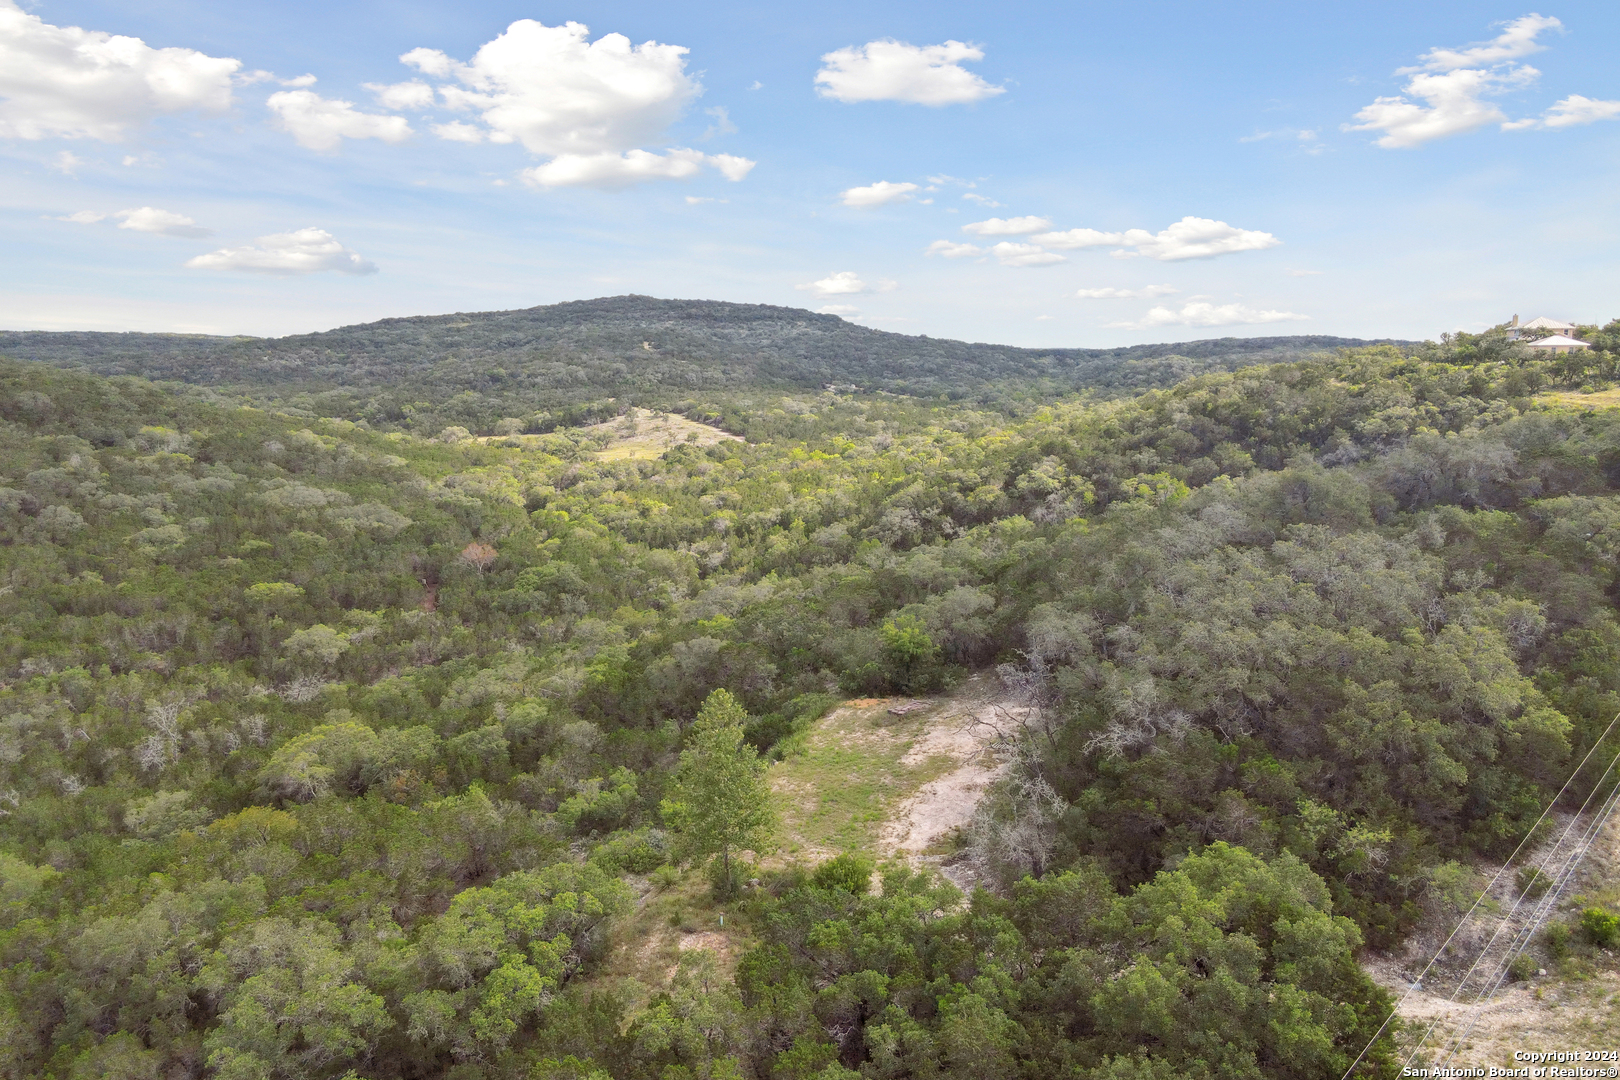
x,y
849,777
646,944
1602,399
640,435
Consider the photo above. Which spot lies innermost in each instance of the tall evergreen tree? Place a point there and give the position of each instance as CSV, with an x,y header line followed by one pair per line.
x,y
719,799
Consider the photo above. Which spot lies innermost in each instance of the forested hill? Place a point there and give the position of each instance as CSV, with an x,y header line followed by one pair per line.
x,y
640,346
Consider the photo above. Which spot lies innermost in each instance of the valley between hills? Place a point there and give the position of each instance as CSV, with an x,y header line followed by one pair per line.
x,y
644,689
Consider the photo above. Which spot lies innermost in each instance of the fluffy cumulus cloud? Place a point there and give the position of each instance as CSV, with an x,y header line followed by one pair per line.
x,y
1449,89
1147,292
950,249
1008,253
1200,238
322,123
306,251
146,219
876,194
1518,38
1018,226
589,106
1204,313
895,71
63,81
845,283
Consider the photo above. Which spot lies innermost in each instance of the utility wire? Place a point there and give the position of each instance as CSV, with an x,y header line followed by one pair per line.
x,y
1507,919
1435,959
1546,908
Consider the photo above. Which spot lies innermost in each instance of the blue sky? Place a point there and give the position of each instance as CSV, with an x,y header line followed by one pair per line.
x,y
1080,174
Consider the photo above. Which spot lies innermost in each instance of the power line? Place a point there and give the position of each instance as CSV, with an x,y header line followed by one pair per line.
x,y
1508,917
1492,884
1546,908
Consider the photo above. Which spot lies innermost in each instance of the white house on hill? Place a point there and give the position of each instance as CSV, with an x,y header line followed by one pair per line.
x,y
1556,343
1541,325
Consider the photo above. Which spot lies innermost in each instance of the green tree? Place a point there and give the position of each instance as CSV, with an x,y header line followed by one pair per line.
x,y
911,650
718,799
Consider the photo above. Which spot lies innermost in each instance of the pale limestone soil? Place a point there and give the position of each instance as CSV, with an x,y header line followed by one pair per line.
x,y
1543,1014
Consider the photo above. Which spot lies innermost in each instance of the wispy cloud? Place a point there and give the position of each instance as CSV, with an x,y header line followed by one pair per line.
x,y
1008,253
1018,226
1204,313
950,249
1147,292
1449,88
1570,112
1189,238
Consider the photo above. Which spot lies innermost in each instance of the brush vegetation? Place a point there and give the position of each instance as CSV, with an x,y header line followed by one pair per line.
x,y
331,749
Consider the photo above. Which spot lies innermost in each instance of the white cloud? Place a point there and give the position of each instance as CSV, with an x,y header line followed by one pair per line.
x,y
846,283
611,171
614,170
722,125
1292,272
1072,239
1452,85
321,123
837,309
980,199
1570,112
1454,105
1200,238
1519,39
731,166
164,222
298,82
306,251
147,219
1017,226
894,71
877,194
952,250
1010,254
1203,313
1147,292
413,94
588,106
63,81
1189,238
557,93
698,200
456,131
67,162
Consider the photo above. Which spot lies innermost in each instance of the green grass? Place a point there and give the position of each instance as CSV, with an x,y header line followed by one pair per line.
x,y
847,778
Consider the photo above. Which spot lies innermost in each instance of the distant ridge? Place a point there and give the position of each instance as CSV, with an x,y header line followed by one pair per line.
x,y
641,345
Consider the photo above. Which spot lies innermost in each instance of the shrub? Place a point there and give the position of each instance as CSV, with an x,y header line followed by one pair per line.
x,y
1532,881
1602,927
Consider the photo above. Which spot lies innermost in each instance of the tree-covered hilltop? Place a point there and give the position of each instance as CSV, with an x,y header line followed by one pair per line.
x,y
472,369
326,749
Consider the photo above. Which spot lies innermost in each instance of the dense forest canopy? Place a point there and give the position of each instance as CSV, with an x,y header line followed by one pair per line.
x,y
546,366
328,750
